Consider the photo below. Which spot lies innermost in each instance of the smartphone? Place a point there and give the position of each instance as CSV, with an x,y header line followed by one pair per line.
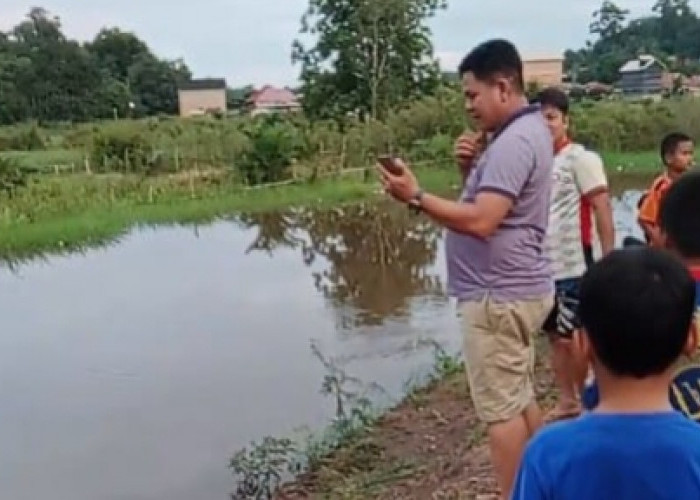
x,y
388,163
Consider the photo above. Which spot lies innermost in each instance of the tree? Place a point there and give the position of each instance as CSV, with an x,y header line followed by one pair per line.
x,y
57,74
116,51
154,83
608,21
369,56
678,28
46,76
237,98
671,34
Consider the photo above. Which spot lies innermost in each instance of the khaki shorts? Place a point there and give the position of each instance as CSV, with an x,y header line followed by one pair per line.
x,y
499,352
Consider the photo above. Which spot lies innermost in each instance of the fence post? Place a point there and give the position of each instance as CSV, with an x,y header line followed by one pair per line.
x,y
343,149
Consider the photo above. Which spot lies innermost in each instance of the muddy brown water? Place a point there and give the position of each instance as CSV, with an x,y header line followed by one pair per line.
x,y
135,371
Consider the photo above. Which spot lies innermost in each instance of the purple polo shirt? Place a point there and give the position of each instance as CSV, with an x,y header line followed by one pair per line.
x,y
512,264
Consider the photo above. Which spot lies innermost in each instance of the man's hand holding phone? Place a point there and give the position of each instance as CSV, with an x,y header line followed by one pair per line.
x,y
397,179
391,164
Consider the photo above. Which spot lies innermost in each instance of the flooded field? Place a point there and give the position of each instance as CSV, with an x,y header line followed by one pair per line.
x,y
135,371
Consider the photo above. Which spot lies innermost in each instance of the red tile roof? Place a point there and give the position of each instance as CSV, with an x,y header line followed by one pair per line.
x,y
269,95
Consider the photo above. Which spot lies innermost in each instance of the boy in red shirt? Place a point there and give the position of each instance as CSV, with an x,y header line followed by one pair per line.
x,y
677,151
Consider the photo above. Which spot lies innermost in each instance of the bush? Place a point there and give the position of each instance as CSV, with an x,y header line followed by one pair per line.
x,y
12,177
273,148
121,151
22,139
263,149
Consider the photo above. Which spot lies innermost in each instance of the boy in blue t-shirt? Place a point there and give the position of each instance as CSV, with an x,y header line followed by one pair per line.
x,y
680,233
636,309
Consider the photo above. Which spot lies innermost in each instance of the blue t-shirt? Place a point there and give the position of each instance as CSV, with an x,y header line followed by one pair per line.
x,y
620,457
591,395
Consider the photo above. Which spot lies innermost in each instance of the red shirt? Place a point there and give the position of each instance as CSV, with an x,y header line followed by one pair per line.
x,y
695,272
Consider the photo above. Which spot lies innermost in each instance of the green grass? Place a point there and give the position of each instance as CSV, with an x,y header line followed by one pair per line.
x,y
106,220
46,160
639,162
60,213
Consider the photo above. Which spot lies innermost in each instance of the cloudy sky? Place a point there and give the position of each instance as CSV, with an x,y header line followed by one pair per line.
x,y
248,41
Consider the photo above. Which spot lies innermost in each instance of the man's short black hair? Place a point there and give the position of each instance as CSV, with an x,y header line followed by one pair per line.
x,y
637,306
493,59
679,216
670,143
555,98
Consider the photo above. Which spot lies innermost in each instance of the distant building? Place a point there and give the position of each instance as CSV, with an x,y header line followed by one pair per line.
x,y
544,71
272,100
198,97
642,76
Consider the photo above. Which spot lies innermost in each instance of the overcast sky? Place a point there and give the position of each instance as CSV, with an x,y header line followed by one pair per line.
x,y
249,41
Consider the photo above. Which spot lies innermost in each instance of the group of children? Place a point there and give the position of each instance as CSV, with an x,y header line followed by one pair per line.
x,y
635,327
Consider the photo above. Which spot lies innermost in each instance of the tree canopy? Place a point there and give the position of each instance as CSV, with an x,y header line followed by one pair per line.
x,y
670,32
368,55
46,76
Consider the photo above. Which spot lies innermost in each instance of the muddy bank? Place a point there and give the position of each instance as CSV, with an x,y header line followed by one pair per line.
x,y
429,447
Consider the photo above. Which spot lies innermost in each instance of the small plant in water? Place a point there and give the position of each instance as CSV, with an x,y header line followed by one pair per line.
x,y
260,470
444,363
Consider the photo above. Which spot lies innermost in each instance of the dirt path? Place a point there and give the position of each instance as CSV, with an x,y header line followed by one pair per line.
x,y
429,447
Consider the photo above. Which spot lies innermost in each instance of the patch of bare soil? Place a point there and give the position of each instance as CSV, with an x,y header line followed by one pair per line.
x,y
429,447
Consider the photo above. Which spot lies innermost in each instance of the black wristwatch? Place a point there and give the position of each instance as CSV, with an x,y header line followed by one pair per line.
x,y
415,204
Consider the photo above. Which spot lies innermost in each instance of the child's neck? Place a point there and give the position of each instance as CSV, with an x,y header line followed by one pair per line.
x,y
673,174
629,395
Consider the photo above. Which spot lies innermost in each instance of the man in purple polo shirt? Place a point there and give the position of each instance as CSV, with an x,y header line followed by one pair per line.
x,y
498,269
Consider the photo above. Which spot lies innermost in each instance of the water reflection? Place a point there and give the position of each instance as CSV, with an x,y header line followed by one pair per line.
x,y
130,381
379,256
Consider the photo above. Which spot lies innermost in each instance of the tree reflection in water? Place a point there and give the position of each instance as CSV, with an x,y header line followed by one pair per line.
x,y
379,255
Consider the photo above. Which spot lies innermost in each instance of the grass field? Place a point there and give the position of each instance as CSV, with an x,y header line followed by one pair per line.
x,y
62,212
81,216
47,161
642,162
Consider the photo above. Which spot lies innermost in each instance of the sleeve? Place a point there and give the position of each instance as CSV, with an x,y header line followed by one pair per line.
x,y
508,166
528,484
649,210
589,174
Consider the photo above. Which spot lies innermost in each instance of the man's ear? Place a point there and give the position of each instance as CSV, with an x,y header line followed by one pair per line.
x,y
504,86
691,344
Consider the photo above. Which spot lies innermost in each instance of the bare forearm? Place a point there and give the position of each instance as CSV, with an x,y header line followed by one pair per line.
x,y
456,216
606,230
652,232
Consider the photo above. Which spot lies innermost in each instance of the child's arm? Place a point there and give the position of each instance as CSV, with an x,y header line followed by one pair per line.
x,y
653,234
648,216
592,183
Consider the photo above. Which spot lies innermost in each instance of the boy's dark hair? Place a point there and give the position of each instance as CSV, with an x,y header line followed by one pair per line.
x,y
670,143
554,98
637,306
493,59
679,216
